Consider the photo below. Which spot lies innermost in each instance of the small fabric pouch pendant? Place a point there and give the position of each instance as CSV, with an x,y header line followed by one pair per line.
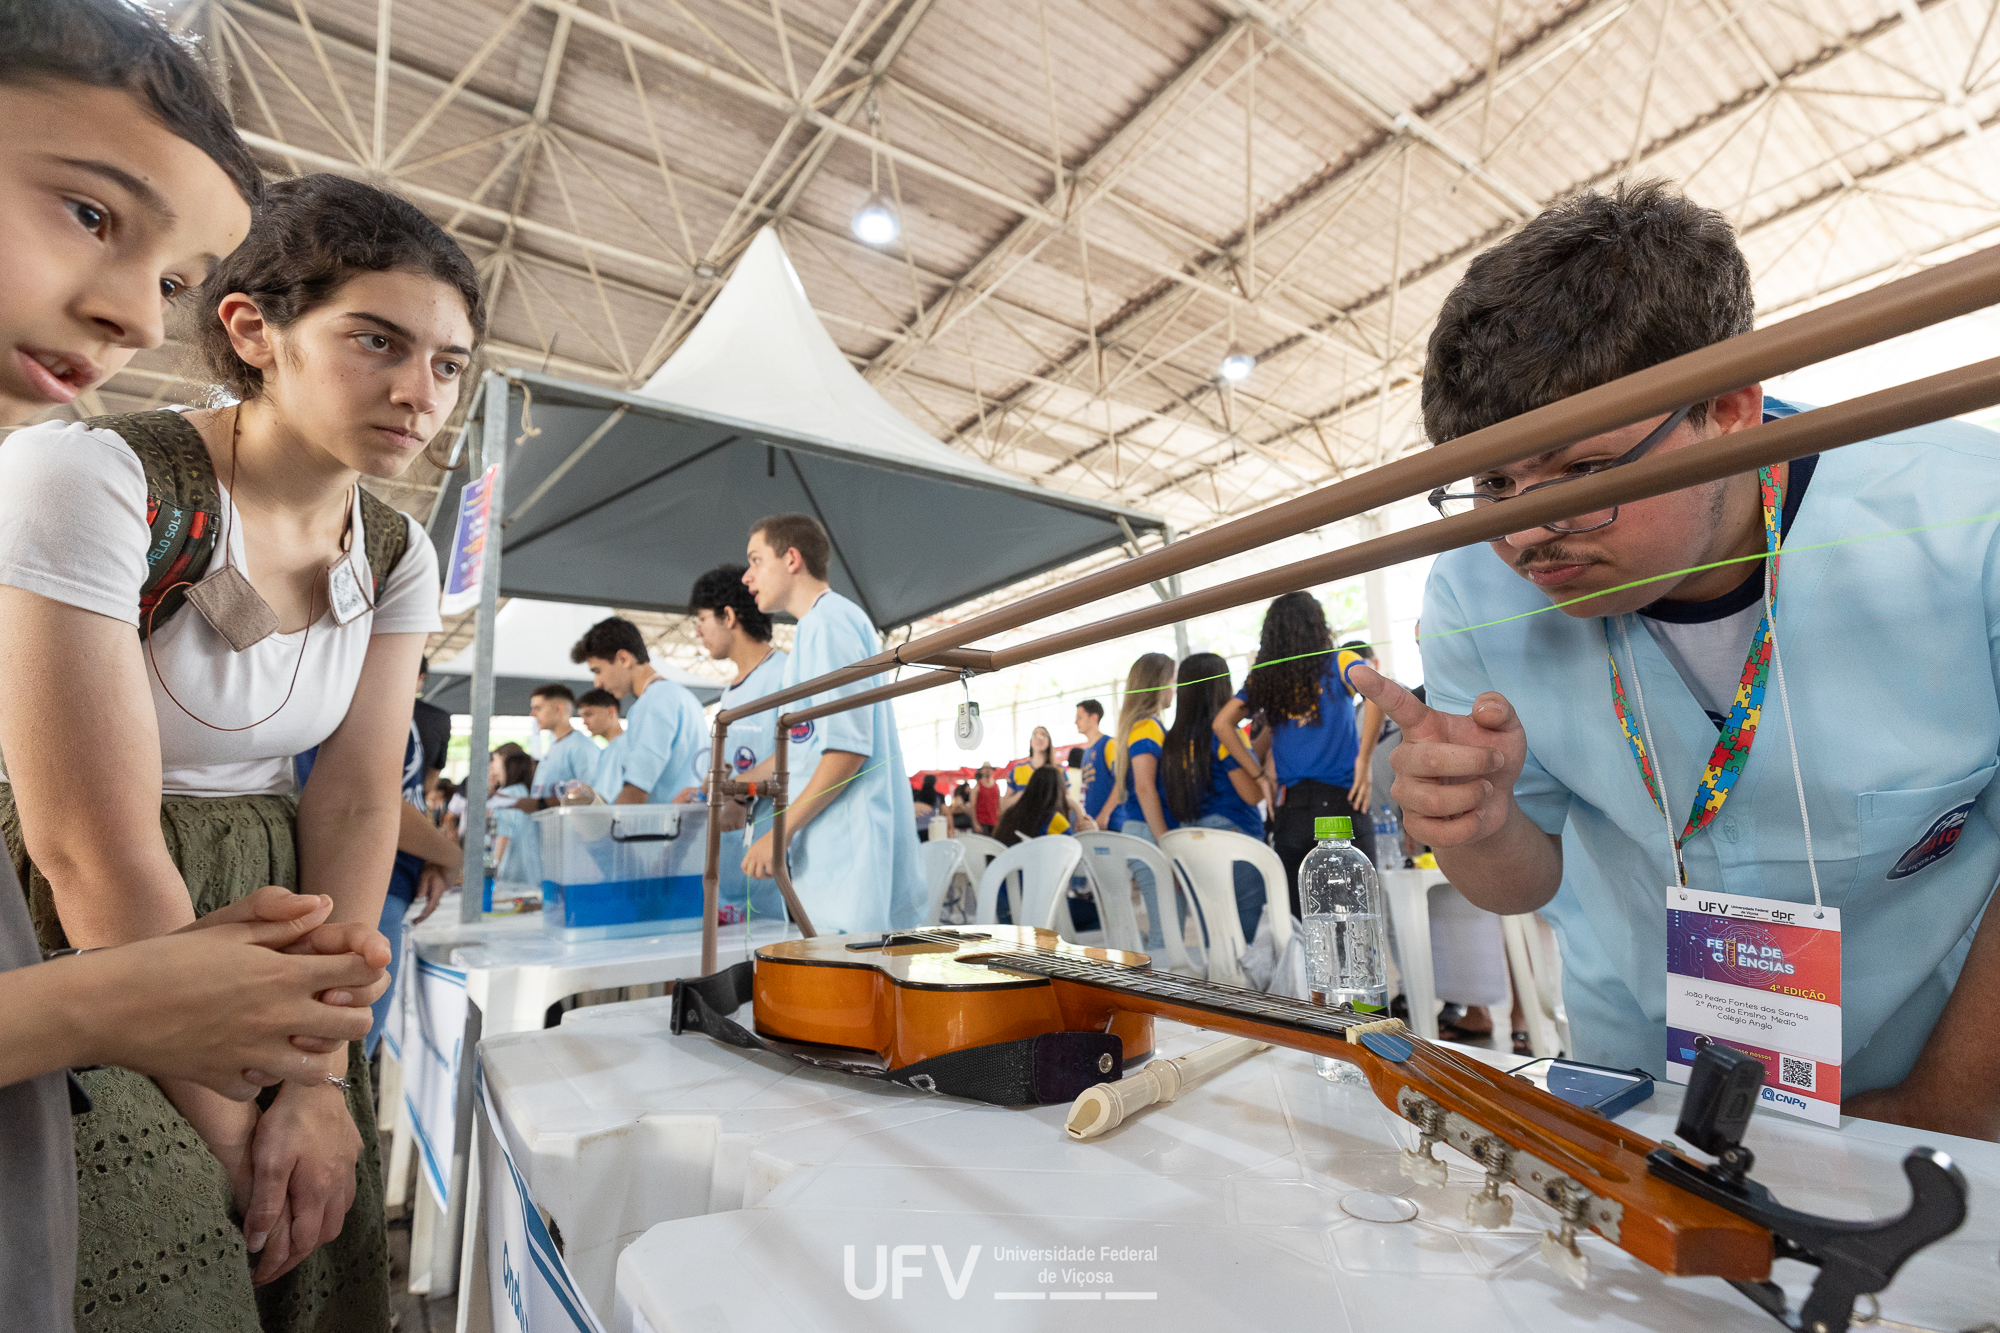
x,y
233,609
344,593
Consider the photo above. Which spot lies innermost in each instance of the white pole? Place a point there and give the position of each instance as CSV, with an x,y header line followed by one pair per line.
x,y
492,449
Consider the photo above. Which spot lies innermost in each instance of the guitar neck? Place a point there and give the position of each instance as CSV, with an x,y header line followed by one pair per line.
x,y
1589,1169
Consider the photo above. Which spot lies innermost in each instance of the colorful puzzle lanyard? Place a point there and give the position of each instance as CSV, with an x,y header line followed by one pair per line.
x,y
1739,732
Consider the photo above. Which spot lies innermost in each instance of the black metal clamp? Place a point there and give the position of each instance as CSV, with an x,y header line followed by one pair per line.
x,y
1854,1259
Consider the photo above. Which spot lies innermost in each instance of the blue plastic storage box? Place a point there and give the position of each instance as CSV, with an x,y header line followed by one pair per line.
x,y
618,870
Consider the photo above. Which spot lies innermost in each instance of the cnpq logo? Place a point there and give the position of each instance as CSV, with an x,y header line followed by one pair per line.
x,y
746,759
801,733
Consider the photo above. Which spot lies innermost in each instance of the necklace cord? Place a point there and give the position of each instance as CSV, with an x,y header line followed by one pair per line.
x,y
312,602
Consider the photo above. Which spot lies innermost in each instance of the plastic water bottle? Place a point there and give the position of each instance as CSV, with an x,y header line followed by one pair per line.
x,y
1388,836
1345,948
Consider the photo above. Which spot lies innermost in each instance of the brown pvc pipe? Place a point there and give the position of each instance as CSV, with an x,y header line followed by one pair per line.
x,y
916,684
711,867
1895,308
1901,408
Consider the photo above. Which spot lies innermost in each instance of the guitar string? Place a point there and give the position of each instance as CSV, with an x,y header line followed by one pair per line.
x,y
1088,969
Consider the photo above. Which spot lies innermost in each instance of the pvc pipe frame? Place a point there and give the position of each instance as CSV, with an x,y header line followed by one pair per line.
x,y
1910,303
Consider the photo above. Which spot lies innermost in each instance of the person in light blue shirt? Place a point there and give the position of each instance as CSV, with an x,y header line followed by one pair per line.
x,y
852,822
572,757
513,845
1519,772
598,711
731,628
663,729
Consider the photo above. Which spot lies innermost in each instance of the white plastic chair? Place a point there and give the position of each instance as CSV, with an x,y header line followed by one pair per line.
x,y
1537,975
1044,867
1409,896
1107,860
979,849
1206,857
942,860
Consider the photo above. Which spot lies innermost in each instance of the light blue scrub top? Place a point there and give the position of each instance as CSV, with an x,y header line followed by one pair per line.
x,y
574,757
609,776
522,861
751,739
663,733
1889,653
856,865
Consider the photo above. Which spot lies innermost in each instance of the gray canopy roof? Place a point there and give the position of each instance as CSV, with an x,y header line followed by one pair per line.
x,y
624,500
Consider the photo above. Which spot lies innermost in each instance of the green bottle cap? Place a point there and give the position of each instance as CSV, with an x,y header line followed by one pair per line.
x,y
1333,826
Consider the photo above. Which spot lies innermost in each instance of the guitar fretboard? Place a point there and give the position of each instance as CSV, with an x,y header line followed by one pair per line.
x,y
1277,1010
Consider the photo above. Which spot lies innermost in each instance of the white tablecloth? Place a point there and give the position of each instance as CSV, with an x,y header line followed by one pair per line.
x,y
733,1185
513,971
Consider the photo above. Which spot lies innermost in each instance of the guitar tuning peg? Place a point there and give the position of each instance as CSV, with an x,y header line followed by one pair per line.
x,y
1489,1209
1565,1258
1421,1167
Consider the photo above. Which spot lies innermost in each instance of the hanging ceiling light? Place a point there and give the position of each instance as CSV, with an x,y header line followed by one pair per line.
x,y
875,222
1236,366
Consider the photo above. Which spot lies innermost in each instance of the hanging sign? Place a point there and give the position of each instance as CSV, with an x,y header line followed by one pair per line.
x,y
468,545
1762,976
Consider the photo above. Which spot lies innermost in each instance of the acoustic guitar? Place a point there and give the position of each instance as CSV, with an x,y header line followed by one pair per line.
x,y
912,995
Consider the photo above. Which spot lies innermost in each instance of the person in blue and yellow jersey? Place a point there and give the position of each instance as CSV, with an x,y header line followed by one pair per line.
x,y
1300,685
1205,785
1137,806
1041,754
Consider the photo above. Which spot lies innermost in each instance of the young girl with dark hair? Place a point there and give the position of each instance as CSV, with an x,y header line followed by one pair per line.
x,y
1299,686
220,585
1042,809
1204,784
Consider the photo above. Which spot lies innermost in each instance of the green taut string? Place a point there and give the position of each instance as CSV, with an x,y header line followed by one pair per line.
x,y
1523,615
1557,606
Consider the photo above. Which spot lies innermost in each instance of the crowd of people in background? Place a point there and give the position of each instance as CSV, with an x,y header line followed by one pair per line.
x,y
1187,749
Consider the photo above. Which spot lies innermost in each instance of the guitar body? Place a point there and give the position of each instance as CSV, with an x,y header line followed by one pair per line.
x,y
909,1002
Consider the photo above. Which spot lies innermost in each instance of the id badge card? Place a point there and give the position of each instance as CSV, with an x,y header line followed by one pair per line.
x,y
1762,976
344,593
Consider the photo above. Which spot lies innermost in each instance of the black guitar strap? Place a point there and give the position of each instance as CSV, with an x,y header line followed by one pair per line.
x,y
1036,1071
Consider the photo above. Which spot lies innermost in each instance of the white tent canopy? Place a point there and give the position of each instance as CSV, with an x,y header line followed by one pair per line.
x,y
531,646
626,498
761,353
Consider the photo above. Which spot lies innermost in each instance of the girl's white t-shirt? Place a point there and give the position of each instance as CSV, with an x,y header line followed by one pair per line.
x,y
73,529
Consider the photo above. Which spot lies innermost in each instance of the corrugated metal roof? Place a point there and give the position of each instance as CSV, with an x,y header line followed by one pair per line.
x,y
1100,197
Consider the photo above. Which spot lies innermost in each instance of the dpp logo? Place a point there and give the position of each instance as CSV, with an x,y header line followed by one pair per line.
x,y
801,733
746,759
891,1274
1936,844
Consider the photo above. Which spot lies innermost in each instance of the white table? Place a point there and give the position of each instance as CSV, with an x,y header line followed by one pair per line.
x,y
1231,1201
754,1175
617,1125
494,977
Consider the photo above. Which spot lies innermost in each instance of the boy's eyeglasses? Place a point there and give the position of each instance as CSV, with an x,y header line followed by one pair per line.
x,y
1450,504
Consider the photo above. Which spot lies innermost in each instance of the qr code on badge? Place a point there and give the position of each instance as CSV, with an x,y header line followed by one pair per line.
x,y
1796,1073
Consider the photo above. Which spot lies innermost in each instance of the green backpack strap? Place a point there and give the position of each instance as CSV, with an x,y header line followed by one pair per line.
x,y
385,539
184,513
183,506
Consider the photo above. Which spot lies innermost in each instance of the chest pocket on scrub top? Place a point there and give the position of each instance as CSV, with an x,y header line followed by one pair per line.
x,y
1903,833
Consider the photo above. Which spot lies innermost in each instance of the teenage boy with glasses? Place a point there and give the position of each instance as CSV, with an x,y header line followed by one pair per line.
x,y
1526,780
